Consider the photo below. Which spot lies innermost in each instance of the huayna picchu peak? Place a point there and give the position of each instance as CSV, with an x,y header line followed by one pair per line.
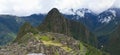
x,y
54,11
55,22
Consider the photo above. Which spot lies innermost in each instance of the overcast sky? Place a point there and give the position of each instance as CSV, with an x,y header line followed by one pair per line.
x,y
28,7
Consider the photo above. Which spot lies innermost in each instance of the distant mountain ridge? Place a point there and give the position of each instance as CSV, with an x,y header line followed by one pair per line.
x,y
98,23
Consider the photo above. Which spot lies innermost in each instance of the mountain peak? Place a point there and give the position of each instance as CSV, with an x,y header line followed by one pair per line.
x,y
54,14
56,22
54,11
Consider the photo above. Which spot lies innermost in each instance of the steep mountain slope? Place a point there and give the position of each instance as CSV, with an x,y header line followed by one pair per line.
x,y
84,16
107,21
55,22
104,26
6,35
10,22
113,45
9,26
25,28
100,24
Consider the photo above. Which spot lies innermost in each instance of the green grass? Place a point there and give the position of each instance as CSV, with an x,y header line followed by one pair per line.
x,y
47,40
43,37
52,43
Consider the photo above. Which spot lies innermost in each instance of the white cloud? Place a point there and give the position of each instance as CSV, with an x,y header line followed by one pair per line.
x,y
27,7
19,7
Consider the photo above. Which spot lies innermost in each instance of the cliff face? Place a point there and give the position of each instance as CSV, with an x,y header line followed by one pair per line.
x,y
57,23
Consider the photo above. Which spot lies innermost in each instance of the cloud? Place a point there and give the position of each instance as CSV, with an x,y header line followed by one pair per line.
x,y
117,3
28,7
19,7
